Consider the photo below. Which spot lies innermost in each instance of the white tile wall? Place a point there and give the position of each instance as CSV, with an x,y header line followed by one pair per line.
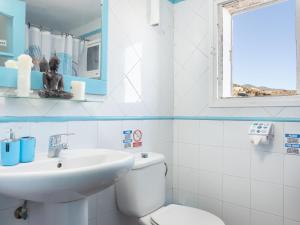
x,y
291,168
85,134
292,203
210,158
290,222
258,218
241,183
267,167
237,162
259,186
140,83
236,190
210,184
102,207
267,197
236,215
212,166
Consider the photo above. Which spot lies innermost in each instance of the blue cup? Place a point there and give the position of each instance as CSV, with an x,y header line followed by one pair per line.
x,y
27,152
10,152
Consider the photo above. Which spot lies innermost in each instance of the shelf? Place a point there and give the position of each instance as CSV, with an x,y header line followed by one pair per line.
x,y
6,54
11,94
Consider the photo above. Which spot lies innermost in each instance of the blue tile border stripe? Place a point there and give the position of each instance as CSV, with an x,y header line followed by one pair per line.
x,y
233,118
175,1
12,119
41,119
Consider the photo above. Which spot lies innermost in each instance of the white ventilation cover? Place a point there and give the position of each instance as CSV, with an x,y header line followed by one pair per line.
x,y
182,215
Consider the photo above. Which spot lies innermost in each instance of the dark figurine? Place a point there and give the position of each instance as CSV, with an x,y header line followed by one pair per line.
x,y
44,66
53,82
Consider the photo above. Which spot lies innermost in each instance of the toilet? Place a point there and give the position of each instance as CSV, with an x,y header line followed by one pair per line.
x,y
141,194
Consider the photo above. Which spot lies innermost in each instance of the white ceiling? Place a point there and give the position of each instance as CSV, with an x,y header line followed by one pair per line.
x,y
62,15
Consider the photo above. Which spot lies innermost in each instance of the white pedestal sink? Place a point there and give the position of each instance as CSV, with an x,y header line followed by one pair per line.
x,y
64,183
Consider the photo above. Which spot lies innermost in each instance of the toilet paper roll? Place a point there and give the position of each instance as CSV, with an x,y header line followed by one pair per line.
x,y
258,139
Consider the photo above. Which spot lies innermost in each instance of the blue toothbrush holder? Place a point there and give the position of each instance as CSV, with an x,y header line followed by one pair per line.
x,y
27,149
10,152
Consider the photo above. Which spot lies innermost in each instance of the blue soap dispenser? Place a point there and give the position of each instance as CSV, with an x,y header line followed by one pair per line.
x,y
10,150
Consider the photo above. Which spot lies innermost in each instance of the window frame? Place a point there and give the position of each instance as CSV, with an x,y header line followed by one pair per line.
x,y
216,60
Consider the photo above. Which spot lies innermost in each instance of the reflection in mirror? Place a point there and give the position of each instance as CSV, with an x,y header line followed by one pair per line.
x,y
70,31
5,37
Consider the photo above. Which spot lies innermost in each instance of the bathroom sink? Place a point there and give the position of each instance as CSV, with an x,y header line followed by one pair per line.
x,y
74,176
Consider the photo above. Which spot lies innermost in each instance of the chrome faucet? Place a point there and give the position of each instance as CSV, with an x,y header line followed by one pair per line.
x,y
55,145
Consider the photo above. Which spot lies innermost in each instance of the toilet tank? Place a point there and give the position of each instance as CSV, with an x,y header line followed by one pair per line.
x,y
142,190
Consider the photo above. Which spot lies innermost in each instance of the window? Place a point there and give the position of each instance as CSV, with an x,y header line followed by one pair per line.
x,y
255,50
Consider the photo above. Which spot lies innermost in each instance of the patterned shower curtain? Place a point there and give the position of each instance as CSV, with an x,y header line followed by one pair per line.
x,y
69,50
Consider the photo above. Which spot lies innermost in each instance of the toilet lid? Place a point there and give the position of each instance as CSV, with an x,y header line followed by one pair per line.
x,y
183,215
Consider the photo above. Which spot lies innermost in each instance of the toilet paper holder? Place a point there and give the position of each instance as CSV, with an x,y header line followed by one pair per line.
x,y
261,133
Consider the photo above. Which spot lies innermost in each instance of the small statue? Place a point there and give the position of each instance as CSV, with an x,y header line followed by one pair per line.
x,y
53,82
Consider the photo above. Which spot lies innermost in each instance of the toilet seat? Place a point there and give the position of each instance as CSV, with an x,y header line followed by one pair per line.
x,y
181,215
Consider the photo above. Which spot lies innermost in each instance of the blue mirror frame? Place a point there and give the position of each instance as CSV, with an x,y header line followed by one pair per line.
x,y
8,77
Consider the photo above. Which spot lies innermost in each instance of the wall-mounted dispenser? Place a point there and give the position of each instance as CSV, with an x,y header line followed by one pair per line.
x,y
154,12
261,133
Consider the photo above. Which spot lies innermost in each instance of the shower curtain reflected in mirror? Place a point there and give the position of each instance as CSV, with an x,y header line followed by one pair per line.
x,y
71,51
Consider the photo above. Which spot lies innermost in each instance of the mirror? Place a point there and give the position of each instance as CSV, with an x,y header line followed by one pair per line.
x,y
73,31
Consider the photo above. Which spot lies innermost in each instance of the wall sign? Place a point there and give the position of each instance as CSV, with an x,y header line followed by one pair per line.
x,y
127,141
137,138
132,138
292,143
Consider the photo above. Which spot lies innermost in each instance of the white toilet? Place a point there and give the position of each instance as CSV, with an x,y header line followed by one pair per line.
x,y
142,194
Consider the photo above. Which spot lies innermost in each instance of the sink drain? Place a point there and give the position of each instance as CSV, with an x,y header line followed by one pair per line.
x,y
21,213
59,165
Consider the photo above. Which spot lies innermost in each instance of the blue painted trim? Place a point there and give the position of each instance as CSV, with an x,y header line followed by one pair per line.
x,y
104,42
6,54
221,118
94,32
41,119
9,79
16,10
175,1
9,76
